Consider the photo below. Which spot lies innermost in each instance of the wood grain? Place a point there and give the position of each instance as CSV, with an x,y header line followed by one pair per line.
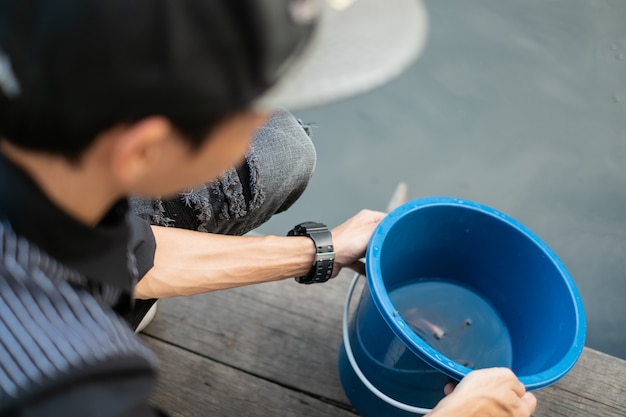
x,y
272,348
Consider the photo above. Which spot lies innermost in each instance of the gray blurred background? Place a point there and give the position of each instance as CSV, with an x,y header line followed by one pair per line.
x,y
519,105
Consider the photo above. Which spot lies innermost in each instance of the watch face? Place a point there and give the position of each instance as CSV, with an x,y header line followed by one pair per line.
x,y
322,269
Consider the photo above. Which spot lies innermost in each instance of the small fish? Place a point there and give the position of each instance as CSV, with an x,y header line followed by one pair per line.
x,y
421,325
437,331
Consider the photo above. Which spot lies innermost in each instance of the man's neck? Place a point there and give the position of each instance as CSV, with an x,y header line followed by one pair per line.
x,y
80,189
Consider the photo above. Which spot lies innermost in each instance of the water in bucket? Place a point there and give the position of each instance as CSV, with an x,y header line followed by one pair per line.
x,y
455,321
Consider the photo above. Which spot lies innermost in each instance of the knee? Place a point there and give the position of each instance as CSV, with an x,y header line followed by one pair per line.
x,y
284,155
293,149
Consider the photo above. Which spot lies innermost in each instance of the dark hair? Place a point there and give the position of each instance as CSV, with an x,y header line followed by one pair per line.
x,y
71,69
50,131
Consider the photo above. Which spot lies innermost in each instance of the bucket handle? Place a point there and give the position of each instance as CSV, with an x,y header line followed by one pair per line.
x,y
355,366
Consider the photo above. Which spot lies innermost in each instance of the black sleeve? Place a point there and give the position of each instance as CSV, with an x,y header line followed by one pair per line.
x,y
142,243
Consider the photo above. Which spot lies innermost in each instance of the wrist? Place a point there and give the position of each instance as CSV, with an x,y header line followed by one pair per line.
x,y
306,249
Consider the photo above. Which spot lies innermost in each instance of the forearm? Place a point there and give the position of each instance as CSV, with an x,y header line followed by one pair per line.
x,y
188,262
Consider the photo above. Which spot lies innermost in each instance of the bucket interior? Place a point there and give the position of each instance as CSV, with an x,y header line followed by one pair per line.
x,y
495,258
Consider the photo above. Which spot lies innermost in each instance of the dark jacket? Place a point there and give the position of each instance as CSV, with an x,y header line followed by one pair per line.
x,y
65,350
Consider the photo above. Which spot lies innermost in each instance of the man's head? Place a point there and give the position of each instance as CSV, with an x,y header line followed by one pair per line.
x,y
80,67
78,73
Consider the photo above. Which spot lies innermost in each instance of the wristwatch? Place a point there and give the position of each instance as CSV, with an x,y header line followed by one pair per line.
x,y
322,268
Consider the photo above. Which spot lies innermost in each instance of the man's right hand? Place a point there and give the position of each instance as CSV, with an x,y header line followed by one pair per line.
x,y
494,392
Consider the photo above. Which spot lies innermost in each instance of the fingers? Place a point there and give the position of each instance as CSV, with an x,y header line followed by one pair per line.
x,y
502,393
530,401
517,387
351,237
358,266
449,388
503,376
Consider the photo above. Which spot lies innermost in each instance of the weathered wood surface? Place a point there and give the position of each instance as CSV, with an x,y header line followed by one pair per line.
x,y
271,349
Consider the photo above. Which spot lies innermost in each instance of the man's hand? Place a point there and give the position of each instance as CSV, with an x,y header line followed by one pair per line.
x,y
350,240
494,392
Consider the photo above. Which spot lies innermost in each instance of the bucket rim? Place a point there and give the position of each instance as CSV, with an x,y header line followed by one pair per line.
x,y
422,349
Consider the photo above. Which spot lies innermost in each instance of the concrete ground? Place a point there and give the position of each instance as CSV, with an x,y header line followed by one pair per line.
x,y
519,105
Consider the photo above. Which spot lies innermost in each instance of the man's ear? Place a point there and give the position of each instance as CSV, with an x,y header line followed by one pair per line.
x,y
138,147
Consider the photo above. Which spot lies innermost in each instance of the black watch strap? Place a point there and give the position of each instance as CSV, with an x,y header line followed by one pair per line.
x,y
322,269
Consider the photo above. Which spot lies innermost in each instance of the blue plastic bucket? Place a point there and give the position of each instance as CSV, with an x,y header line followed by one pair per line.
x,y
454,285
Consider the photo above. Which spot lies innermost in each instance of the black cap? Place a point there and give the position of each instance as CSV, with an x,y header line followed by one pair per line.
x,y
128,59
133,58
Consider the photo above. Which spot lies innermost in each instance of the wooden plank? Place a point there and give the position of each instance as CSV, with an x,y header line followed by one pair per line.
x,y
596,387
290,334
194,386
284,331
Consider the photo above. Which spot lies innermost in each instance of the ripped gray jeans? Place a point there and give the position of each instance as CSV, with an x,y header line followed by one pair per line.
x,y
276,171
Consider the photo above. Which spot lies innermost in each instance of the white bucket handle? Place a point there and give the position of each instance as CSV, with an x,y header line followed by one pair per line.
x,y
355,366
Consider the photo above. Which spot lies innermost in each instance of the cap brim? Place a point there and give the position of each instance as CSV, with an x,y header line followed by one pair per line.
x,y
353,50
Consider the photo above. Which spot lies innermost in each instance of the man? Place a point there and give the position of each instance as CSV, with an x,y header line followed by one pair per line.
x,y
104,99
